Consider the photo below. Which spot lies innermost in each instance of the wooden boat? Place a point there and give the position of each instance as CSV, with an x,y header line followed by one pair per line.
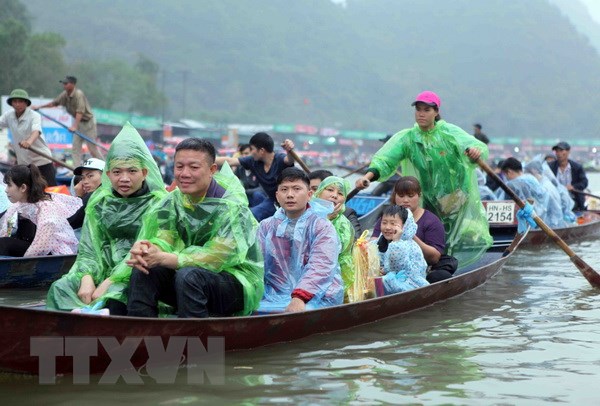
x,y
33,272
368,209
20,325
503,226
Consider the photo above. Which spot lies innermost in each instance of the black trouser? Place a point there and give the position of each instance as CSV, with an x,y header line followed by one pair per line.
x,y
49,173
13,247
195,292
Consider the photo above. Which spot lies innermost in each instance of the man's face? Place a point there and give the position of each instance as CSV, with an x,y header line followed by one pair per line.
x,y
510,174
257,153
68,87
314,184
128,180
293,196
193,172
562,155
245,152
19,105
90,179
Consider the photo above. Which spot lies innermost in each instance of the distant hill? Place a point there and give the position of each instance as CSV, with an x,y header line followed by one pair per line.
x,y
518,67
581,19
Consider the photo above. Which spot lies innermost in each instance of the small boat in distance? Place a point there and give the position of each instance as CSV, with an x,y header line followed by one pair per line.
x,y
503,225
33,272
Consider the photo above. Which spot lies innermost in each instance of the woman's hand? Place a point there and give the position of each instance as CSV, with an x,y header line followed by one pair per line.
x,y
336,210
362,183
86,289
473,153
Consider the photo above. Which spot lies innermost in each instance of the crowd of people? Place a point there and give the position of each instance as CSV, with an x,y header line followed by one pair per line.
x,y
253,233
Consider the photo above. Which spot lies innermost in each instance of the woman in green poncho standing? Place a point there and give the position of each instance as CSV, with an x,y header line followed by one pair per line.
x,y
441,156
335,190
131,183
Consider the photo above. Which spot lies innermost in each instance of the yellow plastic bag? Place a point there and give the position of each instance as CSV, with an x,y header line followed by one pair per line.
x,y
366,267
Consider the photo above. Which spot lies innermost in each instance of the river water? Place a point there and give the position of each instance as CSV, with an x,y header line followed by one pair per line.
x,y
529,336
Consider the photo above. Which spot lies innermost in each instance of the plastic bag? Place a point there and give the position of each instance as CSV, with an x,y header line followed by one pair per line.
x,y
365,258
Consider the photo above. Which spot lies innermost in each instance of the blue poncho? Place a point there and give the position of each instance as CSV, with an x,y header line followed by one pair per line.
x,y
302,256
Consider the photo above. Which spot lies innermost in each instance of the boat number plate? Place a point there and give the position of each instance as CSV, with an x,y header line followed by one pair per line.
x,y
500,212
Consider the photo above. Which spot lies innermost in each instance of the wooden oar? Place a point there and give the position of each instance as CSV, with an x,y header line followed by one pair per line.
x,y
88,139
357,170
40,153
299,160
581,192
587,271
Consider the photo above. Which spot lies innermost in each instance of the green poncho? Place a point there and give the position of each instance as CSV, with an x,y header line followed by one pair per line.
x,y
217,234
344,229
448,180
110,227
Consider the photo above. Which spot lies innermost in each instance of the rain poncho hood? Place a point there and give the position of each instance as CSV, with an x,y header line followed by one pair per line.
x,y
300,254
540,166
526,187
110,227
403,262
554,214
343,227
448,180
217,234
485,193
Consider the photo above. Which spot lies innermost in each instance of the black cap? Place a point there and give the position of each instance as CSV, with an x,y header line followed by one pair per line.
x,y
386,138
69,79
562,145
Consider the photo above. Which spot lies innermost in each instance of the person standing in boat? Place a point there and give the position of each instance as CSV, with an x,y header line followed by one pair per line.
x,y
26,129
78,106
266,165
335,190
403,263
441,155
301,250
569,173
35,224
318,176
131,184
480,135
198,250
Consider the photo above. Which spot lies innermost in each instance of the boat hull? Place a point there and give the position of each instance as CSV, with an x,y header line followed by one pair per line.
x,y
20,325
503,235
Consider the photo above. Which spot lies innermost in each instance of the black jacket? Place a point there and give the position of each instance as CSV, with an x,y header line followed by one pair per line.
x,y
578,180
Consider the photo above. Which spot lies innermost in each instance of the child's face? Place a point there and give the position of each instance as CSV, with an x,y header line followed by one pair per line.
x,y
391,227
332,194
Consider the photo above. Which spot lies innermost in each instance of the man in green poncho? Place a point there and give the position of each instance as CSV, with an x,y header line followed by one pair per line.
x,y
131,183
441,155
198,249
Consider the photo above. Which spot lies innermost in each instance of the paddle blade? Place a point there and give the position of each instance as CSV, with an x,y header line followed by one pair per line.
x,y
587,271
